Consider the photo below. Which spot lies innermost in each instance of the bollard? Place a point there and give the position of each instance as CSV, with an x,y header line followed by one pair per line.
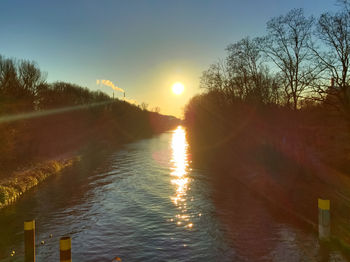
x,y
324,221
65,249
29,241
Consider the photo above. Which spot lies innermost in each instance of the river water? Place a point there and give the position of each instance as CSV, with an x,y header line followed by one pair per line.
x,y
146,202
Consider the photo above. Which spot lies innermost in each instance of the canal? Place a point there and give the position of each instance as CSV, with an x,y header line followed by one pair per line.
x,y
147,202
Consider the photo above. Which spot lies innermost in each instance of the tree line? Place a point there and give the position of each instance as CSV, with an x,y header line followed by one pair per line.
x,y
274,116
89,119
300,60
288,87
23,87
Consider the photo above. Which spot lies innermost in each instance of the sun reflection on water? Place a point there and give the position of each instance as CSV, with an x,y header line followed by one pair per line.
x,y
179,172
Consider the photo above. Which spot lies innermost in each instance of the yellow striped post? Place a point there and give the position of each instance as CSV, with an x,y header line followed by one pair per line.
x,y
324,225
29,241
65,249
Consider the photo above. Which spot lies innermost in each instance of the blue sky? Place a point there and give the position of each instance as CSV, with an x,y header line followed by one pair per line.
x,y
142,46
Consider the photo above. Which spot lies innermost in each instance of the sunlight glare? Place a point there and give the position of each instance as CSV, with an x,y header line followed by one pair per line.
x,y
179,172
178,88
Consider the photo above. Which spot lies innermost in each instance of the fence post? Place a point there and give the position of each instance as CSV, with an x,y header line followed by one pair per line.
x,y
29,241
65,249
324,220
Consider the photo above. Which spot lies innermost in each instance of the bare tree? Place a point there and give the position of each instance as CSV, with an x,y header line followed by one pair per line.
x,y
345,4
242,76
30,76
216,77
156,109
242,60
144,106
334,32
31,79
287,46
248,73
9,84
19,83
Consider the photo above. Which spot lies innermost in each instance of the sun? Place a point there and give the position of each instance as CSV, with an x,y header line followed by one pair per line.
x,y
178,88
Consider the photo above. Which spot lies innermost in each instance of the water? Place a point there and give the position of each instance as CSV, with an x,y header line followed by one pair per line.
x,y
147,202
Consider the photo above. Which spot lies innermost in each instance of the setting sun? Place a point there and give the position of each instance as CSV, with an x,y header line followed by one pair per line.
x,y
178,88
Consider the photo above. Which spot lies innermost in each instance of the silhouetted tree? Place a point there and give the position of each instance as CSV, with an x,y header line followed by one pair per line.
x,y
30,78
249,75
244,61
286,44
23,88
144,106
334,32
156,109
242,76
19,83
9,85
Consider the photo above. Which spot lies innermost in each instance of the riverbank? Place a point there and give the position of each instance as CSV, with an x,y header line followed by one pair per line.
x,y
288,157
14,185
291,186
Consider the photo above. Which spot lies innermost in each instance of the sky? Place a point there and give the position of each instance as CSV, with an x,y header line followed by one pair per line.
x,y
142,46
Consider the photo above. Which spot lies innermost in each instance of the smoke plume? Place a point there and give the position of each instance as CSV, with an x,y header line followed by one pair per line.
x,y
109,84
130,101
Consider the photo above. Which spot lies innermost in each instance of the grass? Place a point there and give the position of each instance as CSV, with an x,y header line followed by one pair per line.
x,y
13,187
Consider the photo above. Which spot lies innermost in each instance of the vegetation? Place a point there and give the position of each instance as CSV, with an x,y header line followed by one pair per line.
x,y
40,121
19,182
274,115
